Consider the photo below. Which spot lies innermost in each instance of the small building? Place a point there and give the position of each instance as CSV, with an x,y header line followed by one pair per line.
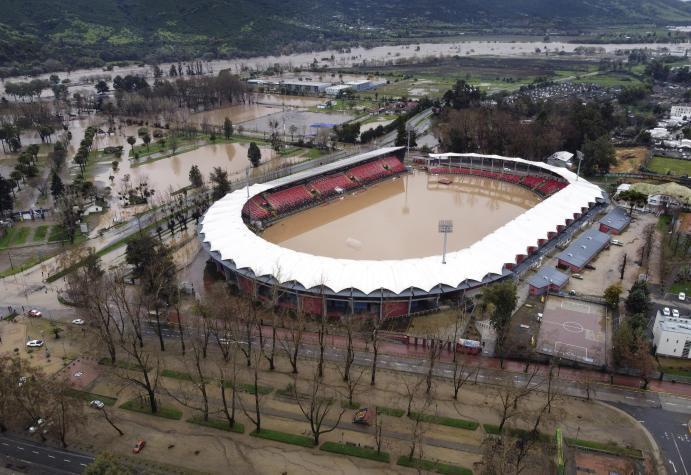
x,y
546,279
583,250
672,336
666,196
303,87
337,89
682,113
561,159
361,85
615,221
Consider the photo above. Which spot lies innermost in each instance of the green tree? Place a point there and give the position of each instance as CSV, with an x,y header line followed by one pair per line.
x,y
131,140
227,128
56,186
638,299
254,154
633,198
598,156
6,200
500,299
612,294
102,87
220,183
147,140
196,178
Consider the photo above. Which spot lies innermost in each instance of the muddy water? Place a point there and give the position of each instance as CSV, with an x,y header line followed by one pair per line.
x,y
173,173
303,121
399,218
237,113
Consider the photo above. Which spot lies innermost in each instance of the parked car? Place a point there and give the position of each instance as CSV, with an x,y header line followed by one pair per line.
x,y
666,312
97,404
675,312
34,343
682,296
577,276
77,321
616,242
34,313
139,446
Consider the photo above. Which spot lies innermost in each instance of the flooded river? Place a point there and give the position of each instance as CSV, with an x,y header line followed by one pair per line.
x,y
398,219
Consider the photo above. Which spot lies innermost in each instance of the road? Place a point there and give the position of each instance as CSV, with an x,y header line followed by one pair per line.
x,y
34,458
670,432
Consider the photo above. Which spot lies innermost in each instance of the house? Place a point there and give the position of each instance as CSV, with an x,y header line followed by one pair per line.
x,y
681,113
615,221
583,250
665,196
561,159
546,279
672,336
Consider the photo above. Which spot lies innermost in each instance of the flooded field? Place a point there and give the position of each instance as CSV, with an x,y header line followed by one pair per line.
x,y
398,219
306,123
237,113
173,173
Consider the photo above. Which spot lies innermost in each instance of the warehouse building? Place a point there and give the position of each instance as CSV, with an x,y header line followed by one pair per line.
x,y
547,279
615,221
583,250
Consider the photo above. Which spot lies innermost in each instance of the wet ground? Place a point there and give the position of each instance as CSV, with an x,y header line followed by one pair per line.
x,y
398,218
306,123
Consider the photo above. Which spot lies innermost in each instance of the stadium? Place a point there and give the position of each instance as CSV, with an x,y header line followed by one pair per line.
x,y
529,205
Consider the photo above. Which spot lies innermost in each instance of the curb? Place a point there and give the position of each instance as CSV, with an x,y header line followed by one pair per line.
x,y
657,453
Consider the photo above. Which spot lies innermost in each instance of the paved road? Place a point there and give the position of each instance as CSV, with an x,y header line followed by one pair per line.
x,y
34,458
670,432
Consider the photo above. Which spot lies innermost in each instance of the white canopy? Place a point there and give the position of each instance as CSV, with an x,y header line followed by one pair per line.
x,y
225,232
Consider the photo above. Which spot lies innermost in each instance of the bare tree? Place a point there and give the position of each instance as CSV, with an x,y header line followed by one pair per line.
x,y
379,433
254,416
64,412
143,370
418,429
461,374
352,383
349,324
411,384
434,353
509,395
196,376
506,455
292,339
109,420
229,379
317,406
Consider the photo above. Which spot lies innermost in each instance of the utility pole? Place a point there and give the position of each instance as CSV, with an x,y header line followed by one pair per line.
x,y
445,228
579,155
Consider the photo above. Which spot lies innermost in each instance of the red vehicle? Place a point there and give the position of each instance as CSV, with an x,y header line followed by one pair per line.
x,y
363,416
471,347
139,446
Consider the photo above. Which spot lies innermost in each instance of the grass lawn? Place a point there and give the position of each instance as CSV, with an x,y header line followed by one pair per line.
x,y
390,411
169,373
88,397
677,371
57,233
217,424
284,437
681,286
494,429
250,388
607,448
355,451
167,412
446,421
40,233
432,466
15,236
670,166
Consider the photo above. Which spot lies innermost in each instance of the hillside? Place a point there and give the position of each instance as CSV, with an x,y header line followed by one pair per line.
x,y
79,33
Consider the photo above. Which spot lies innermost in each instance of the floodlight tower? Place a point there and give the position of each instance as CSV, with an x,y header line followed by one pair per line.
x,y
445,228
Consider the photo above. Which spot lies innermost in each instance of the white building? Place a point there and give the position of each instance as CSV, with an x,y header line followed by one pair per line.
x,y
362,85
337,89
672,336
561,159
682,113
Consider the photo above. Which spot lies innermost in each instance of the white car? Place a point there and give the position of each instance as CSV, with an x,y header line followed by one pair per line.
x,y
96,404
675,313
77,321
34,343
34,313
666,312
682,296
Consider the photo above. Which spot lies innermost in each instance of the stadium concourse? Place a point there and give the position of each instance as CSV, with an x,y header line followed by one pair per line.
x,y
388,288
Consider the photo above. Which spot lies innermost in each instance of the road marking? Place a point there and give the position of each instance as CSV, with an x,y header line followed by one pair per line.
x,y
34,452
20,448
641,421
673,466
83,464
680,457
672,404
51,456
66,460
628,397
5,444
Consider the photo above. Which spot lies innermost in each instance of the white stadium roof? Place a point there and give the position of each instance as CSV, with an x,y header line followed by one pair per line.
x,y
224,231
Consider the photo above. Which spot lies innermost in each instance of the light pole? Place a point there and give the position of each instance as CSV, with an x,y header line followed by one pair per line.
x,y
579,155
445,228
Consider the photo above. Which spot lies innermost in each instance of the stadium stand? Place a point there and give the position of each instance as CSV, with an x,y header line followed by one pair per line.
x,y
290,198
541,185
255,209
326,186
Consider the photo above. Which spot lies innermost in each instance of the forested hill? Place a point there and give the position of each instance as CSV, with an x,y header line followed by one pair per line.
x,y
78,33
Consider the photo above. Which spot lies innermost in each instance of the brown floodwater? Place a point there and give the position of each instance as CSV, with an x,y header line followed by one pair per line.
x,y
398,219
173,173
237,113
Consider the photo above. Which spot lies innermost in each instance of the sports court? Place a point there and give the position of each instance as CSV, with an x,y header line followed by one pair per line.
x,y
573,330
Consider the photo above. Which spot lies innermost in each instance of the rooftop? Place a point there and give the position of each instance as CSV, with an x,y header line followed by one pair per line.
x,y
584,248
562,156
680,324
548,276
617,219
